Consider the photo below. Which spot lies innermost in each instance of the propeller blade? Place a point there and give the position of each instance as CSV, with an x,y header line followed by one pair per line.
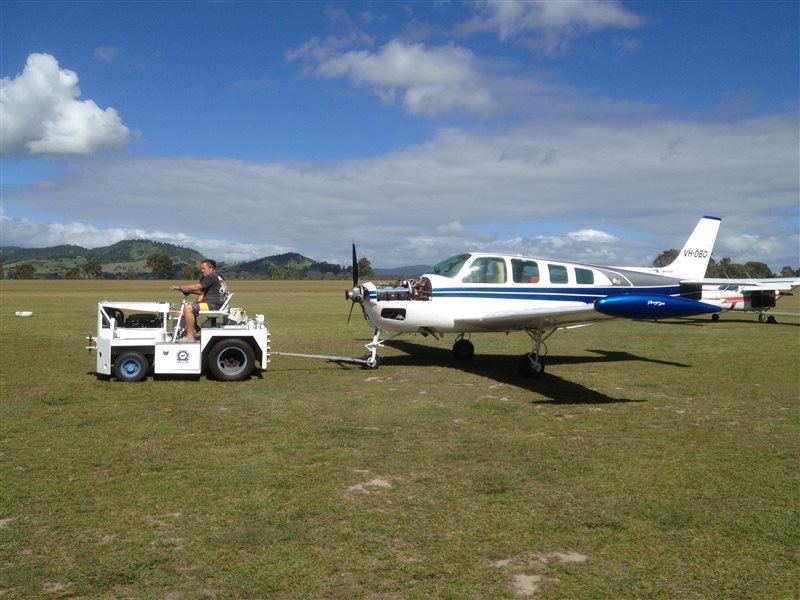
x,y
355,266
350,314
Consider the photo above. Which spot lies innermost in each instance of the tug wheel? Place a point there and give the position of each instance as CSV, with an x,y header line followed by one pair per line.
x,y
231,360
131,366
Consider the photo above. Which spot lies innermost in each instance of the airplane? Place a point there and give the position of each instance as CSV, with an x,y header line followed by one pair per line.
x,y
495,292
749,295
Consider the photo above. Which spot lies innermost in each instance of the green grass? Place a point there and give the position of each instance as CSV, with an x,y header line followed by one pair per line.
x,y
653,460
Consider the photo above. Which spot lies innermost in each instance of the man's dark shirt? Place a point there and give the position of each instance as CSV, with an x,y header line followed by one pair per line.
x,y
215,290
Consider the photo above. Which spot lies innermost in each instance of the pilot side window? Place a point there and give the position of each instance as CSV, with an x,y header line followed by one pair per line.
x,y
525,271
450,267
558,274
487,269
584,276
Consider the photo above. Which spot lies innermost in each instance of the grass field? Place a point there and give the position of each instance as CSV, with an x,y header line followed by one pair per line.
x,y
653,460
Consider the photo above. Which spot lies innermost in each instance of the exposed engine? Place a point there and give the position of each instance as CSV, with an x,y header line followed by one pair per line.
x,y
406,289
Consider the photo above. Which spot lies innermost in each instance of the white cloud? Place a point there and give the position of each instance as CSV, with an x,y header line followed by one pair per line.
x,y
20,231
548,24
41,114
430,80
461,191
451,228
592,235
106,54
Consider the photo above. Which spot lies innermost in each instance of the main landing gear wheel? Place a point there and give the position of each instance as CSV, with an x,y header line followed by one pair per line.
x,y
463,349
231,360
530,367
131,366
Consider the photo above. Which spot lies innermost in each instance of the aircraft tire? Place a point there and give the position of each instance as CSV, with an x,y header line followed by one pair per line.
x,y
463,349
131,366
371,365
527,368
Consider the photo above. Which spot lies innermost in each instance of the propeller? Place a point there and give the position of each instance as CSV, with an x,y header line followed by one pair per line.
x,y
355,265
356,293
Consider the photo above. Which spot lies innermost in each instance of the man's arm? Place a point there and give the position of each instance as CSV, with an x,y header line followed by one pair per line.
x,y
191,288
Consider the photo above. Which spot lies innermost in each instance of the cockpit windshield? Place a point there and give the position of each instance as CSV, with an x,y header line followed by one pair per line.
x,y
450,267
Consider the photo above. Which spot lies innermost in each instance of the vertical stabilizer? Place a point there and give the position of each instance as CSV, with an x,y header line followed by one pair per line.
x,y
692,260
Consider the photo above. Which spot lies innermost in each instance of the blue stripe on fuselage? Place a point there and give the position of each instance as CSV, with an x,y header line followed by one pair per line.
x,y
563,294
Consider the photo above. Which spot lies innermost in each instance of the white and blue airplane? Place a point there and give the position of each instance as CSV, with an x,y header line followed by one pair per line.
x,y
489,292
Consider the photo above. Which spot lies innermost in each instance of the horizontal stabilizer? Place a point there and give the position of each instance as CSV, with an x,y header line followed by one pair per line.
x,y
652,307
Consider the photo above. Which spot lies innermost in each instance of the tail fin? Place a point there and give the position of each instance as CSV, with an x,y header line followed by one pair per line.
x,y
692,260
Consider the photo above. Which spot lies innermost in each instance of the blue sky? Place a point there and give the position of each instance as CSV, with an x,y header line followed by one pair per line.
x,y
595,131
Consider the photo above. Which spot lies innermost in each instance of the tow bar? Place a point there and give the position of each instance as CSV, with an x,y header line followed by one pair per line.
x,y
336,359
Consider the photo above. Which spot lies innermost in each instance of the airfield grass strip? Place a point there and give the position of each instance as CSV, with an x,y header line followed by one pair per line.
x,y
653,460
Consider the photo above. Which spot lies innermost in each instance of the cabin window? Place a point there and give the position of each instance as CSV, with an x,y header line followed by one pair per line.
x,y
450,267
584,276
558,274
525,271
487,269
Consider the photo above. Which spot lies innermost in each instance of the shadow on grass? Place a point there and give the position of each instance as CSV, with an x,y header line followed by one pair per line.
x,y
503,369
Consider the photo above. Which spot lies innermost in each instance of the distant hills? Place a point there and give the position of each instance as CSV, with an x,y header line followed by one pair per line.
x,y
125,259
127,251
128,260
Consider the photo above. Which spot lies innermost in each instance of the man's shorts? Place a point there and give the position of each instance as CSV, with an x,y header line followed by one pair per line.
x,y
198,306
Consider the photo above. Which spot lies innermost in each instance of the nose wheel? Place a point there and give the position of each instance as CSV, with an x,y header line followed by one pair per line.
x,y
371,360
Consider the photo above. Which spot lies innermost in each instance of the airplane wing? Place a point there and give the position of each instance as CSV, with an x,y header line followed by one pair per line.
x,y
539,318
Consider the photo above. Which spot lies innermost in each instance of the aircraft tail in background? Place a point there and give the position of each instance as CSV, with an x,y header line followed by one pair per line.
x,y
692,260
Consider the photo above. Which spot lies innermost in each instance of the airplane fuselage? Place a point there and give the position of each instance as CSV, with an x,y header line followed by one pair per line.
x,y
483,292
493,292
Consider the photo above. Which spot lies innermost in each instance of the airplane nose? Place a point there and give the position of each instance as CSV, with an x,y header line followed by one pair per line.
x,y
355,295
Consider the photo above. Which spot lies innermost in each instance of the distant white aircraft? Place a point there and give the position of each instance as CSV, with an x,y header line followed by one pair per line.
x,y
488,292
750,295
